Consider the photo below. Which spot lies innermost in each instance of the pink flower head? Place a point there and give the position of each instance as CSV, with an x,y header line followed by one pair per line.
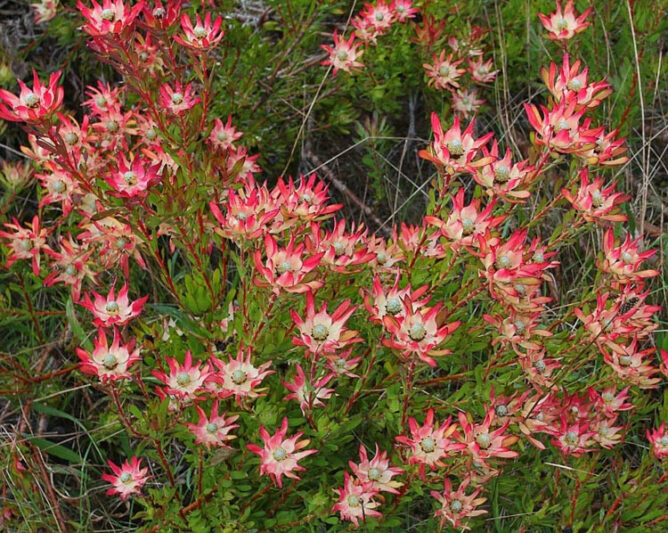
x,y
222,136
403,10
32,105
201,35
481,71
466,224
377,472
127,479
456,505
453,151
465,102
658,438
344,54
559,128
570,85
623,261
286,268
343,249
380,301
482,443
631,364
342,364
501,177
321,332
70,266
133,178
429,445
573,438
309,395
418,332
280,455
44,10
380,16
110,18
356,500
238,377
103,100
443,73
114,309
307,202
60,187
607,149
109,363
562,25
213,430
185,381
248,214
178,99
26,243
162,15
595,203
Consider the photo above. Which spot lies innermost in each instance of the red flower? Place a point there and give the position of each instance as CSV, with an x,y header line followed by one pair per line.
x,y
213,430
356,500
377,472
344,54
280,455
133,178
443,73
109,363
203,34
113,310
309,395
569,85
456,505
658,438
69,266
482,443
127,479
564,25
32,105
623,261
238,377
112,17
178,99
185,381
26,243
594,202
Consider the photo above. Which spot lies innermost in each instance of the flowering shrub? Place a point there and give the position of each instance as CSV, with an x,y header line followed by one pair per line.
x,y
246,355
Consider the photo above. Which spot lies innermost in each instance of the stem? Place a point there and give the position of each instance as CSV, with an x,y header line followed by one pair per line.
x,y
408,385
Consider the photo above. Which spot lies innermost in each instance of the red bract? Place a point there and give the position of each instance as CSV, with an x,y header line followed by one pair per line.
x,y
280,455
44,10
110,18
607,150
222,136
379,16
456,505
453,151
356,500
418,332
466,224
237,377
178,99
113,310
623,261
482,443
213,430
26,243
481,71
631,364
571,86
376,472
501,177
380,301
429,445
403,10
70,266
307,202
562,25
109,363
573,438
465,102
443,73
201,35
185,381
593,202
248,215
286,268
344,54
162,16
322,333
342,250
308,394
559,128
32,105
658,438
127,479
133,178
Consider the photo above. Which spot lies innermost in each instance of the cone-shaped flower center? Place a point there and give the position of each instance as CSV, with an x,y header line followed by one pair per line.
x,y
342,55
501,173
280,454
571,438
100,101
625,360
130,177
539,366
110,362
455,147
284,266
200,32
561,24
596,198
26,245
112,126
151,134
379,16
211,427
31,100
112,307
121,242
58,186
607,396
574,85
504,261
374,473
428,445
417,331
353,500
126,477
467,225
71,138
381,257
444,69
393,305
627,258
339,248
501,410
177,98
70,270
484,440
159,12
107,14
320,332
456,506
239,376
183,378
664,441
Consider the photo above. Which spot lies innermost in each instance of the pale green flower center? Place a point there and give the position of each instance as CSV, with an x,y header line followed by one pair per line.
x,y
353,500
112,307
417,332
444,69
625,360
200,32
571,438
130,177
339,248
456,506
501,410
504,261
107,14
574,85
379,16
467,225
539,366
342,55
121,242
280,454
100,101
71,138
607,397
126,477
110,362
112,126
151,134
393,305
183,378
484,440
428,445
70,270
58,186
320,332
374,473
455,147
627,257
239,376
31,100
501,173
596,198
211,427
283,267
177,98
663,441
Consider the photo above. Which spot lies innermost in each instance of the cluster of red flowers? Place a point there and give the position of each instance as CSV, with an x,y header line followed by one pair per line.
x,y
290,247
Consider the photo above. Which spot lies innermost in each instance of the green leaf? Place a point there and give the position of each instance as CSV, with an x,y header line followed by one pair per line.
x,y
55,449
